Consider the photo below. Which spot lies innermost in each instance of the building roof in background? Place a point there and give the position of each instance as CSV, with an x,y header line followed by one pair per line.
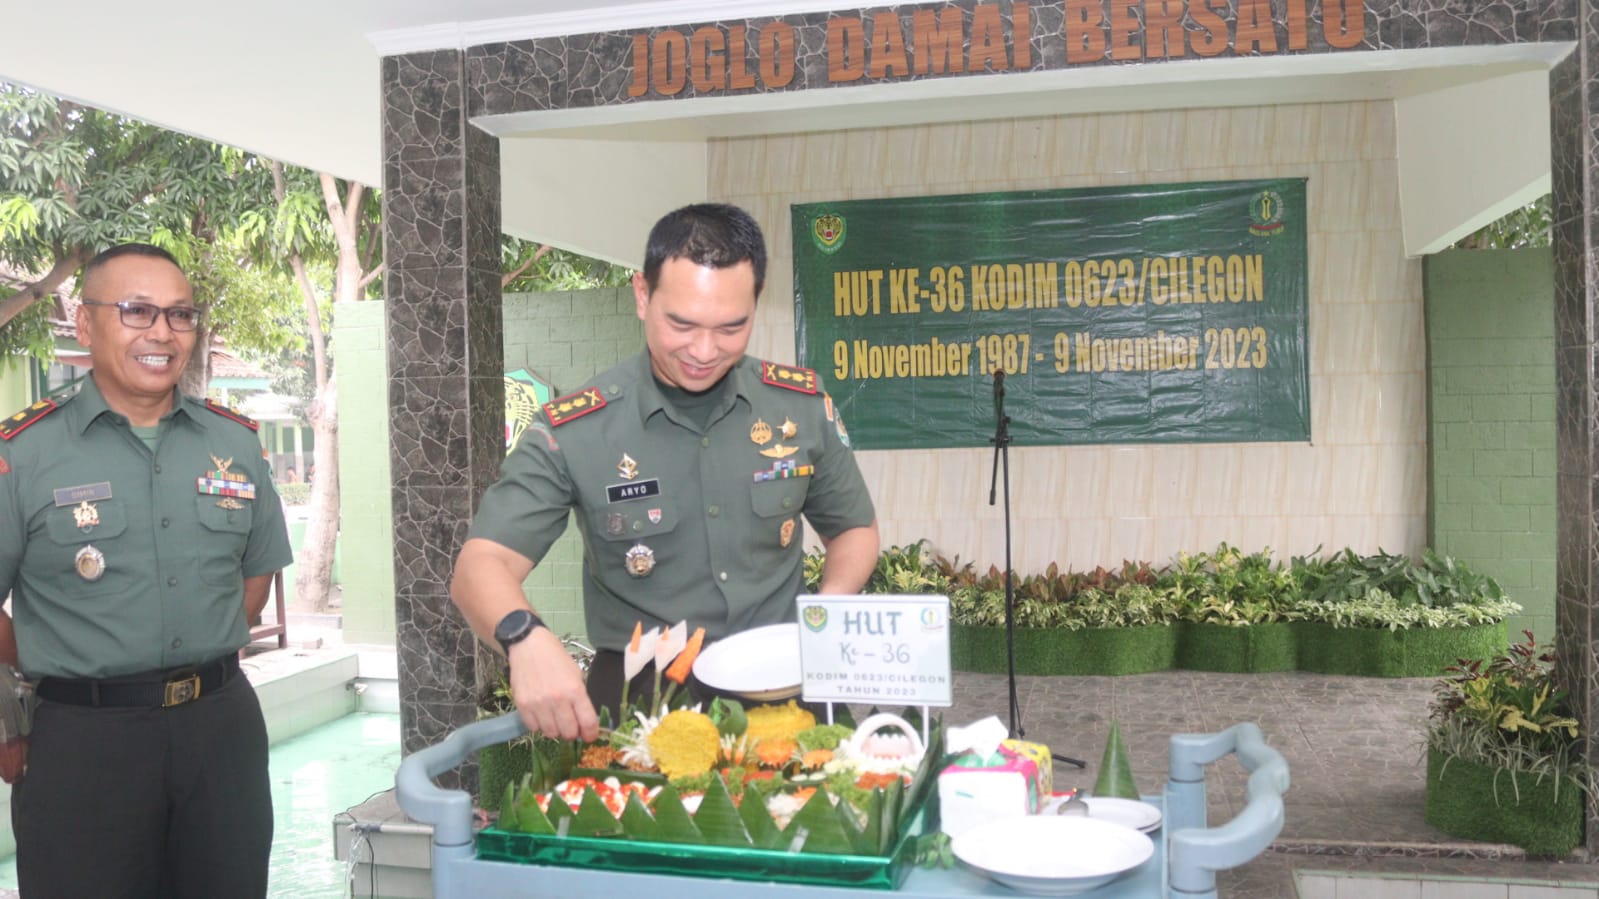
x,y
226,365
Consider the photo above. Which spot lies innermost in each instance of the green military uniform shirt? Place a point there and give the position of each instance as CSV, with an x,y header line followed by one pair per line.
x,y
117,559
679,522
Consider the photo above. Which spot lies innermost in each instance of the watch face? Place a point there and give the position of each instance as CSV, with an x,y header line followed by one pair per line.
x,y
514,627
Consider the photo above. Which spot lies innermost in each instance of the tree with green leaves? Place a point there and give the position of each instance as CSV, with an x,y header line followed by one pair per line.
x,y
529,266
324,234
1527,226
75,180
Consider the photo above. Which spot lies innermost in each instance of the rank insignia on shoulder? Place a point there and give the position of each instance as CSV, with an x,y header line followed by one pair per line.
x,y
575,405
789,376
235,415
16,424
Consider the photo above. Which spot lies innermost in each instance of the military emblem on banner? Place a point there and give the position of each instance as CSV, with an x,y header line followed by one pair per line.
x,y
1266,214
828,232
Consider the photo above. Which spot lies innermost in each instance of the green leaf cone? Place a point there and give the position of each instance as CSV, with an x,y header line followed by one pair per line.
x,y
593,819
758,822
817,828
672,819
530,818
637,822
508,808
1115,768
718,819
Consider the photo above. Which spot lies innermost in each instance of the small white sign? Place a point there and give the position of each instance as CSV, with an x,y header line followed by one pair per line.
x,y
876,649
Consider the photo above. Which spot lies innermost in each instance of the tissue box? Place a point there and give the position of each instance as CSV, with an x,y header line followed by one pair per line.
x,y
1015,780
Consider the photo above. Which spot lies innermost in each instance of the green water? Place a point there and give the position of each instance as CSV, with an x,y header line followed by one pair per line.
x,y
314,777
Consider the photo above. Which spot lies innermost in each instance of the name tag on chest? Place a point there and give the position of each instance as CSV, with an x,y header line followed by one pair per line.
x,y
622,493
71,496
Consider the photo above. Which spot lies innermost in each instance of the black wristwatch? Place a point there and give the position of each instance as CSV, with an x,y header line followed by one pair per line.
x,y
515,627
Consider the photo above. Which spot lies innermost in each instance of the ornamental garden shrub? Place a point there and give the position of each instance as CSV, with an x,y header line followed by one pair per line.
x,y
1504,755
1225,610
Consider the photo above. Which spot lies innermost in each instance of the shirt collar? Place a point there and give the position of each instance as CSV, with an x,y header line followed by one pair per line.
x,y
89,404
739,381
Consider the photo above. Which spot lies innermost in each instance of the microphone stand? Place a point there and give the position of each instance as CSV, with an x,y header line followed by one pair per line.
x,y
1001,441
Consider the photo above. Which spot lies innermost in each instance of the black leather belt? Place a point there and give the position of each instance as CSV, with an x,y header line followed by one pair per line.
x,y
161,690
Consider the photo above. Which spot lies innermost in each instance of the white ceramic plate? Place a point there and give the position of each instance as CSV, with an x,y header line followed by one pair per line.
x,y
761,664
1126,812
1049,855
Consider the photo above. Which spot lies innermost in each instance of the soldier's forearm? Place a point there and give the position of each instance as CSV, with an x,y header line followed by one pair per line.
x,y
851,557
8,640
256,591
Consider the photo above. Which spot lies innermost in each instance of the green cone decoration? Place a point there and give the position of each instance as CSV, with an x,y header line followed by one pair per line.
x,y
1115,769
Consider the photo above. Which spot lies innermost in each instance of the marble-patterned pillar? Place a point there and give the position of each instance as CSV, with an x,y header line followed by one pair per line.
x,y
441,231
1574,169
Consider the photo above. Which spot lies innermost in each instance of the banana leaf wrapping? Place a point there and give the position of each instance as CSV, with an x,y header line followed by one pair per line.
x,y
823,844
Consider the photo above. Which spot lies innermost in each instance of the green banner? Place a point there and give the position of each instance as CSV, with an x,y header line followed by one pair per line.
x,y
1139,314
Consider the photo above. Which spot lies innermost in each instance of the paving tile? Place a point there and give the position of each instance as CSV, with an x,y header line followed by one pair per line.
x,y
1356,758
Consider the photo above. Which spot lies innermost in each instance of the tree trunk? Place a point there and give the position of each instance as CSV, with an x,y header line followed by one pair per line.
x,y
314,578
196,377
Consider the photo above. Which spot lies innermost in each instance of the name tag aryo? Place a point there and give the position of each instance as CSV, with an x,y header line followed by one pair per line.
x,y
623,493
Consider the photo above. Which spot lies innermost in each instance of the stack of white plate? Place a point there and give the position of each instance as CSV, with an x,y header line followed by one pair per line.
x,y
1140,816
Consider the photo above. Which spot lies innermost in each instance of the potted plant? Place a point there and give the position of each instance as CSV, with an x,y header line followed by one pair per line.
x,y
1504,757
1066,623
1385,615
1236,611
1380,615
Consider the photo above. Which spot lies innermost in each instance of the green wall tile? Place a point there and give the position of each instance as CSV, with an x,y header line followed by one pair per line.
x,y
564,337
1490,339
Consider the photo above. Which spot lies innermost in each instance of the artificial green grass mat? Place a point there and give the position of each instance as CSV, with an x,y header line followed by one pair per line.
x,y
499,765
1109,650
1377,652
1461,801
1277,646
1241,650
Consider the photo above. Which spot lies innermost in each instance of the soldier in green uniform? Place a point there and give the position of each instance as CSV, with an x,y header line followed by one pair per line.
x,y
691,470
139,533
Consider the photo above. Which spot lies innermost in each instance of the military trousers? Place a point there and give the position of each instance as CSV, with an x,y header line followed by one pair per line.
x,y
146,803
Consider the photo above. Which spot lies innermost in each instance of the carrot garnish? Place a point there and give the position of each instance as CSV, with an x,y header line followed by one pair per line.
x,y
678,672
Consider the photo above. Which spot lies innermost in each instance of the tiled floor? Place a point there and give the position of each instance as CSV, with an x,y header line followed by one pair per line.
x,y
1355,755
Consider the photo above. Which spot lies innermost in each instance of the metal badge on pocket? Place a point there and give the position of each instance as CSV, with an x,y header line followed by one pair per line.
x,y
90,563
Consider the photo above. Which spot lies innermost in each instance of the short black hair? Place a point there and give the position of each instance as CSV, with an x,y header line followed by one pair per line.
x,y
150,251
712,234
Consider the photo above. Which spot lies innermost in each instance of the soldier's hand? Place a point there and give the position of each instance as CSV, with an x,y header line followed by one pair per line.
x,y
13,759
549,689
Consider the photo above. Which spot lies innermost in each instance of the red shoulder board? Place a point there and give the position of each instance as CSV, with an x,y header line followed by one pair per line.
x,y
789,376
225,412
574,405
15,425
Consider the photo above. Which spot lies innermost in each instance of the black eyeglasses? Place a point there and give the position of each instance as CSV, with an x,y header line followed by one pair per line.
x,y
142,316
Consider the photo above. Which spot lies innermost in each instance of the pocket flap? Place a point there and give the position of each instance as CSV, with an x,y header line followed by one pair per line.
x,y
111,519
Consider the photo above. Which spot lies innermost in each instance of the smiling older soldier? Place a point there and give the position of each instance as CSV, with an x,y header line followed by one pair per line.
x,y
139,533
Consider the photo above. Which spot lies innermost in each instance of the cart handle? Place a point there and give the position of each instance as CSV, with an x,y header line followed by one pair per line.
x,y
1197,852
449,811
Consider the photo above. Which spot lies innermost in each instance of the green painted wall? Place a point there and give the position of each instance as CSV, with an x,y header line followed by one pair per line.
x,y
1490,343
366,533
564,338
